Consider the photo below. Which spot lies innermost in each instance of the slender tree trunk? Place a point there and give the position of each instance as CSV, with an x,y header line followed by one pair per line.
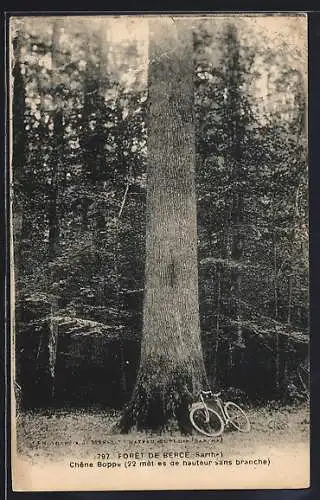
x,y
275,281
277,335
236,255
123,376
171,364
53,215
237,221
53,344
217,339
293,238
93,116
53,211
57,149
277,361
91,89
275,302
286,339
290,288
86,110
18,150
275,305
18,136
234,100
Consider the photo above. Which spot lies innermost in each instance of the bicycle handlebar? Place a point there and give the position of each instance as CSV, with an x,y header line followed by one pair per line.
x,y
206,393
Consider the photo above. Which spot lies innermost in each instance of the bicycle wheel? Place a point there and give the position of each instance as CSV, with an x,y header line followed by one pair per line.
x,y
237,417
206,421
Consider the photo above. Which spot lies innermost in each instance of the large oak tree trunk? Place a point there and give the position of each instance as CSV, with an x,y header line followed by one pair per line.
x,y
171,365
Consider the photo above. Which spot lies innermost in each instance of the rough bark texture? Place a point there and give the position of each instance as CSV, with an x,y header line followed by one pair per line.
x,y
171,364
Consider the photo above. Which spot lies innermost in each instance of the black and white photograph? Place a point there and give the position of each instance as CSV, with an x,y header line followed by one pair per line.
x,y
159,252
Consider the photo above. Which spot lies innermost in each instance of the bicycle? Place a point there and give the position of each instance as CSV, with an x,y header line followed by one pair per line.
x,y
207,421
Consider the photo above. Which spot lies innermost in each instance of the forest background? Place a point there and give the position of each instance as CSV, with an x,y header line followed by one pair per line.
x,y
79,108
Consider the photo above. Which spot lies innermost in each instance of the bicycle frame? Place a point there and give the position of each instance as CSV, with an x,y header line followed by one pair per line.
x,y
205,407
220,405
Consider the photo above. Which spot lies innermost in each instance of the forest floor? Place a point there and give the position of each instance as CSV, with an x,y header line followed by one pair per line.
x,y
87,434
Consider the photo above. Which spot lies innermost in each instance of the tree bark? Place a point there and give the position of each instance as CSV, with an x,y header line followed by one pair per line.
x,y
53,344
18,149
53,209
17,208
237,176
217,337
171,364
57,146
275,270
